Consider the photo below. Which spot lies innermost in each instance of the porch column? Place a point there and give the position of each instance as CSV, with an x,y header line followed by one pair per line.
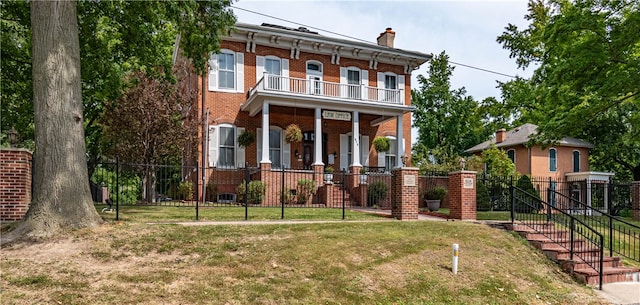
x,y
355,131
265,133
399,140
588,196
317,144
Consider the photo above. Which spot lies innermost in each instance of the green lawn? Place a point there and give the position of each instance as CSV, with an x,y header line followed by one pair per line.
x,y
378,262
141,213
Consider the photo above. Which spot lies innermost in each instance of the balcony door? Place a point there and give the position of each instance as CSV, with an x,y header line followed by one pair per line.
x,y
314,76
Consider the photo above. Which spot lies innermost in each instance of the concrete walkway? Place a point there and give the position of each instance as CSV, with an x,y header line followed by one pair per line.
x,y
627,293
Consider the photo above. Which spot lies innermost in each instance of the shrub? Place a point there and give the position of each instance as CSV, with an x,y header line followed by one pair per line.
x,y
528,203
483,199
212,190
305,190
185,189
436,193
377,192
257,191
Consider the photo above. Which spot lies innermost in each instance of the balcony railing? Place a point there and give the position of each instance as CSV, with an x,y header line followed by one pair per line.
x,y
312,87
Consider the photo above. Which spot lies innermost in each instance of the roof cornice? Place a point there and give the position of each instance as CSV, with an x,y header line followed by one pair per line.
x,y
338,48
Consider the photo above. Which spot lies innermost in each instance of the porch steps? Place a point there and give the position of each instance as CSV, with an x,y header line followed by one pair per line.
x,y
555,245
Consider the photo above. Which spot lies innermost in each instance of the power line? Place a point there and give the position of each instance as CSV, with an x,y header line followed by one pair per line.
x,y
360,39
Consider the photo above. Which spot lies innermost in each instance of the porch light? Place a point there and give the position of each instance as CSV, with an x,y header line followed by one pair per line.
x,y
12,136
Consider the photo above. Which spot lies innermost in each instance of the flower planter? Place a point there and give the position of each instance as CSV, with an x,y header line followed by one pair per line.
x,y
328,177
363,179
432,205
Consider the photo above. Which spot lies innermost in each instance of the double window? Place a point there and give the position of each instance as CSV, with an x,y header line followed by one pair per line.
x,y
279,150
353,80
226,157
275,72
390,88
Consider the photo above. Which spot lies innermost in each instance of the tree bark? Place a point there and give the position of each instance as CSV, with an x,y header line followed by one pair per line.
x,y
61,197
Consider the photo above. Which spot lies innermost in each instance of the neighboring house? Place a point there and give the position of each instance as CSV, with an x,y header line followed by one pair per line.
x,y
268,76
564,165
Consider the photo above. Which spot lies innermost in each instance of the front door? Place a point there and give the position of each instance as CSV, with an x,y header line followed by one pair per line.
x,y
308,140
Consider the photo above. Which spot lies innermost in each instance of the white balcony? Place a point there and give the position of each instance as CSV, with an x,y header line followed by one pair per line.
x,y
281,90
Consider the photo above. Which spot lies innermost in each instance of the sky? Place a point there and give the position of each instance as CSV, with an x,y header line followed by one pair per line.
x,y
465,30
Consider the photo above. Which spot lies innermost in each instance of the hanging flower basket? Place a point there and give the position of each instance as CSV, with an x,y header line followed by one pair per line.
x,y
292,133
246,138
381,144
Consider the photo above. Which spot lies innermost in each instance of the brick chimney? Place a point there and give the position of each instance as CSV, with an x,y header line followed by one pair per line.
x,y
501,135
386,38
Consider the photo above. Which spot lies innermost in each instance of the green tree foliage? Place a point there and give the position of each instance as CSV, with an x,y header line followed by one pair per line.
x,y
497,162
587,59
116,38
448,121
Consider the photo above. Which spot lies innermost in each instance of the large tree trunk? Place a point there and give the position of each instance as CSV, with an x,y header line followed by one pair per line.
x,y
61,197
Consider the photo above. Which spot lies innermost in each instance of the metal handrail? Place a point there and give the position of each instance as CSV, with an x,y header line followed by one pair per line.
x,y
589,247
624,236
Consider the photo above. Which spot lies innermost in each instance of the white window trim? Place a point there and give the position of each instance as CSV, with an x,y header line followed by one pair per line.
x,y
238,72
400,83
556,160
285,148
214,147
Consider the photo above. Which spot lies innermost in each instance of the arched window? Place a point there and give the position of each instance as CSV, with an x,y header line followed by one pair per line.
x,y
553,160
314,75
576,161
511,153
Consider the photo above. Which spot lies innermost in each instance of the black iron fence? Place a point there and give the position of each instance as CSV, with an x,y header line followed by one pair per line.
x,y
614,198
250,187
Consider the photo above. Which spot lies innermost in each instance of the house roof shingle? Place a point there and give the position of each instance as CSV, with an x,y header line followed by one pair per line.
x,y
520,135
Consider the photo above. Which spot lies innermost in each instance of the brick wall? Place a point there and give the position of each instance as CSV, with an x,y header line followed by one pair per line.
x,y
15,183
462,198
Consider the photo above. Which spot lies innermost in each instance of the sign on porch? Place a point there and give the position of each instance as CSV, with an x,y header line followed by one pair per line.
x,y
336,115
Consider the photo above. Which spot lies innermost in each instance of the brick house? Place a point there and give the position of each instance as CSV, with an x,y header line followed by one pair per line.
x,y
564,165
267,77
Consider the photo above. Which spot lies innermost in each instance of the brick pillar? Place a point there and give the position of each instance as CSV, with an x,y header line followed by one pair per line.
x,y
462,195
15,183
363,194
404,193
271,179
353,180
635,202
318,174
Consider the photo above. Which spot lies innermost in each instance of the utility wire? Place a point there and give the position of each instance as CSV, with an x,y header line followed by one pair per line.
x,y
360,39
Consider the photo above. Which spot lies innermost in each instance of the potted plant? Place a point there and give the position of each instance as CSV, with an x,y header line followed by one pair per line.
x,y
381,144
363,175
246,138
293,133
433,197
328,174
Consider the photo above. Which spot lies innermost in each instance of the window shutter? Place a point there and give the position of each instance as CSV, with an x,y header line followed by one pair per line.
x,y
364,150
381,157
401,87
213,146
259,142
380,96
365,82
286,154
213,72
285,74
344,152
240,150
259,68
239,72
343,81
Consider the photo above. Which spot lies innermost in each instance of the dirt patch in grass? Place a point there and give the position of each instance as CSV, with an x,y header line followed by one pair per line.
x,y
343,263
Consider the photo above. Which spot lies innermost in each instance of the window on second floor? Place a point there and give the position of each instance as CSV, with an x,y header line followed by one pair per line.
x,y
226,71
576,161
272,66
553,160
388,85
